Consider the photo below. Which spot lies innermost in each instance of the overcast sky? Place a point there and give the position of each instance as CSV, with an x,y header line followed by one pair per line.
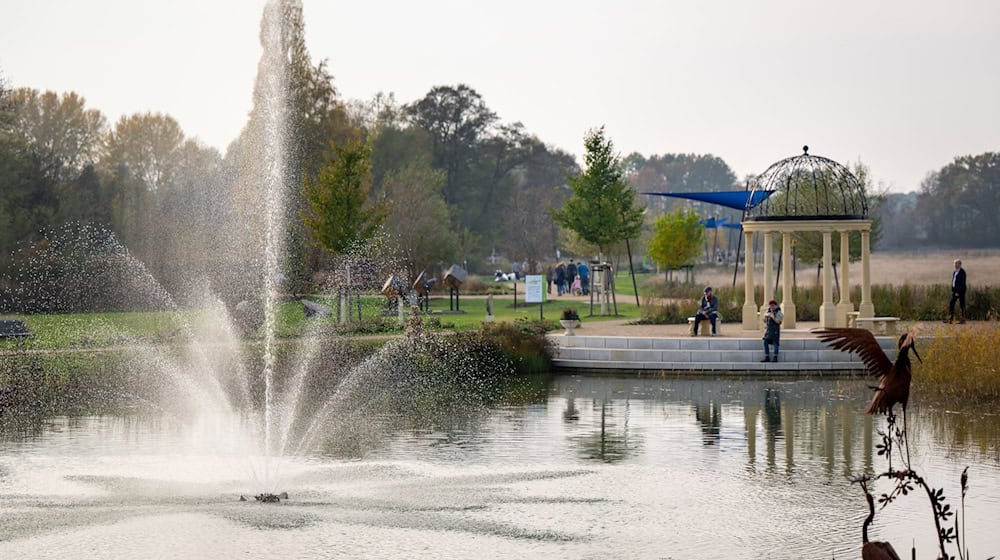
x,y
903,86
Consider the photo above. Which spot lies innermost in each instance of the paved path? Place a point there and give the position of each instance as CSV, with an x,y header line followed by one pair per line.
x,y
621,327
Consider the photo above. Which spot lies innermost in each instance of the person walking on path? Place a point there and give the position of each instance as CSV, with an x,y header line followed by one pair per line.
x,y
571,271
560,279
584,271
707,309
957,293
772,330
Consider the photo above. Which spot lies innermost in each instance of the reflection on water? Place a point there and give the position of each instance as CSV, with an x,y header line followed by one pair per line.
x,y
610,441
597,467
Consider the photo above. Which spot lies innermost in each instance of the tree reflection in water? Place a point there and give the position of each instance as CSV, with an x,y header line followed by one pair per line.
x,y
612,441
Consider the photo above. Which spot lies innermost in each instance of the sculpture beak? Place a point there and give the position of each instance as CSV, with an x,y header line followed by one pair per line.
x,y
914,348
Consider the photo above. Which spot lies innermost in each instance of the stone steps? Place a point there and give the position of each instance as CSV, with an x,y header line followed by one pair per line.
x,y
798,355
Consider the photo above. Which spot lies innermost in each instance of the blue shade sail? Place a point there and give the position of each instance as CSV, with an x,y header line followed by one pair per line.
x,y
736,200
714,223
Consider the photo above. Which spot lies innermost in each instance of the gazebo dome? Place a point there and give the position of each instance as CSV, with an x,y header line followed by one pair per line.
x,y
808,187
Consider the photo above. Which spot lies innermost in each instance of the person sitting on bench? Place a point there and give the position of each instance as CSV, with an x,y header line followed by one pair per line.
x,y
707,309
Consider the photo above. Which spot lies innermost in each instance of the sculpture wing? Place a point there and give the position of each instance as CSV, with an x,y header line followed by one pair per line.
x,y
861,341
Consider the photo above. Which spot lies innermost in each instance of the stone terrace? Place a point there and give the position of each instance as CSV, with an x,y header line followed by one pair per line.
x,y
613,346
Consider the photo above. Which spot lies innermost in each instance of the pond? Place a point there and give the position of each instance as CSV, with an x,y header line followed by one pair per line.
x,y
592,467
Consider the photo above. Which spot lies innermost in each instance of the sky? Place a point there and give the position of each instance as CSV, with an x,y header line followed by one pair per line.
x,y
901,86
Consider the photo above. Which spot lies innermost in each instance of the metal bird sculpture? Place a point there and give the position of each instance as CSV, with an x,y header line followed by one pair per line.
x,y
874,550
894,377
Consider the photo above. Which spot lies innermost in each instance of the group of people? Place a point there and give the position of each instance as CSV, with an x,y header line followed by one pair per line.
x,y
572,278
518,271
708,310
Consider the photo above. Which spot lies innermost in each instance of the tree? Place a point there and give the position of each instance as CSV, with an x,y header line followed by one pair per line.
x,y
13,164
419,220
602,208
901,229
394,149
959,205
141,161
479,160
528,228
48,144
677,239
340,214
457,119
58,130
148,147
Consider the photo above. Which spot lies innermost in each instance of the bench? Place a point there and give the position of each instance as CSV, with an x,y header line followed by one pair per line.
x,y
705,329
852,317
16,330
881,325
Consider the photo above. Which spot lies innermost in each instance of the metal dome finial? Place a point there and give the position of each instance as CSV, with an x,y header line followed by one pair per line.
x,y
805,150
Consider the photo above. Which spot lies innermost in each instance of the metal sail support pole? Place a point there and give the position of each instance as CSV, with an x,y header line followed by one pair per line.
x,y
631,268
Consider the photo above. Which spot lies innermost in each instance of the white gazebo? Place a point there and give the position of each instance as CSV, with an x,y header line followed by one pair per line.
x,y
808,194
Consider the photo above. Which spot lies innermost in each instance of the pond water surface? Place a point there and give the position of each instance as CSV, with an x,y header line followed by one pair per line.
x,y
597,467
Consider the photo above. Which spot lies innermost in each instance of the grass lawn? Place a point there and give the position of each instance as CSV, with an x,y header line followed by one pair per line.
x,y
98,330
503,310
623,284
94,330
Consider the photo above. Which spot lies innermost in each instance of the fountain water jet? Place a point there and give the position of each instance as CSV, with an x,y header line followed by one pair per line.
x,y
274,68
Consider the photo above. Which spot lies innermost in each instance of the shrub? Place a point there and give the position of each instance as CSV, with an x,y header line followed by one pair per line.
x,y
570,314
666,313
524,343
370,325
475,285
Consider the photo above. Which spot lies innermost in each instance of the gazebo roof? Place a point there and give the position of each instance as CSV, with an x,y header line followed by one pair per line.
x,y
808,187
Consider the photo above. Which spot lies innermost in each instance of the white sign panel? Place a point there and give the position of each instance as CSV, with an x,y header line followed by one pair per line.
x,y
534,288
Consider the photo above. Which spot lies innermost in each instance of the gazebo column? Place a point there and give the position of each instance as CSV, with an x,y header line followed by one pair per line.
x,y
768,274
787,301
845,306
828,311
866,308
750,321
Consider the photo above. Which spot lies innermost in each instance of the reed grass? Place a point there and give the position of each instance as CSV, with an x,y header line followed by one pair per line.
x,y
906,301
963,365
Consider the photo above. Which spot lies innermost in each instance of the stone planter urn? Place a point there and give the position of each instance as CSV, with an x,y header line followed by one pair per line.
x,y
570,325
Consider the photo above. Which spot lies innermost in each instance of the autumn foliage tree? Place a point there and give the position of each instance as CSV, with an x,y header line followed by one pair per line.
x,y
677,238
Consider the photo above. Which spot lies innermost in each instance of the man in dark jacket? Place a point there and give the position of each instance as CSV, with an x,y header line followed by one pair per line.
x,y
957,293
571,272
707,309
560,279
